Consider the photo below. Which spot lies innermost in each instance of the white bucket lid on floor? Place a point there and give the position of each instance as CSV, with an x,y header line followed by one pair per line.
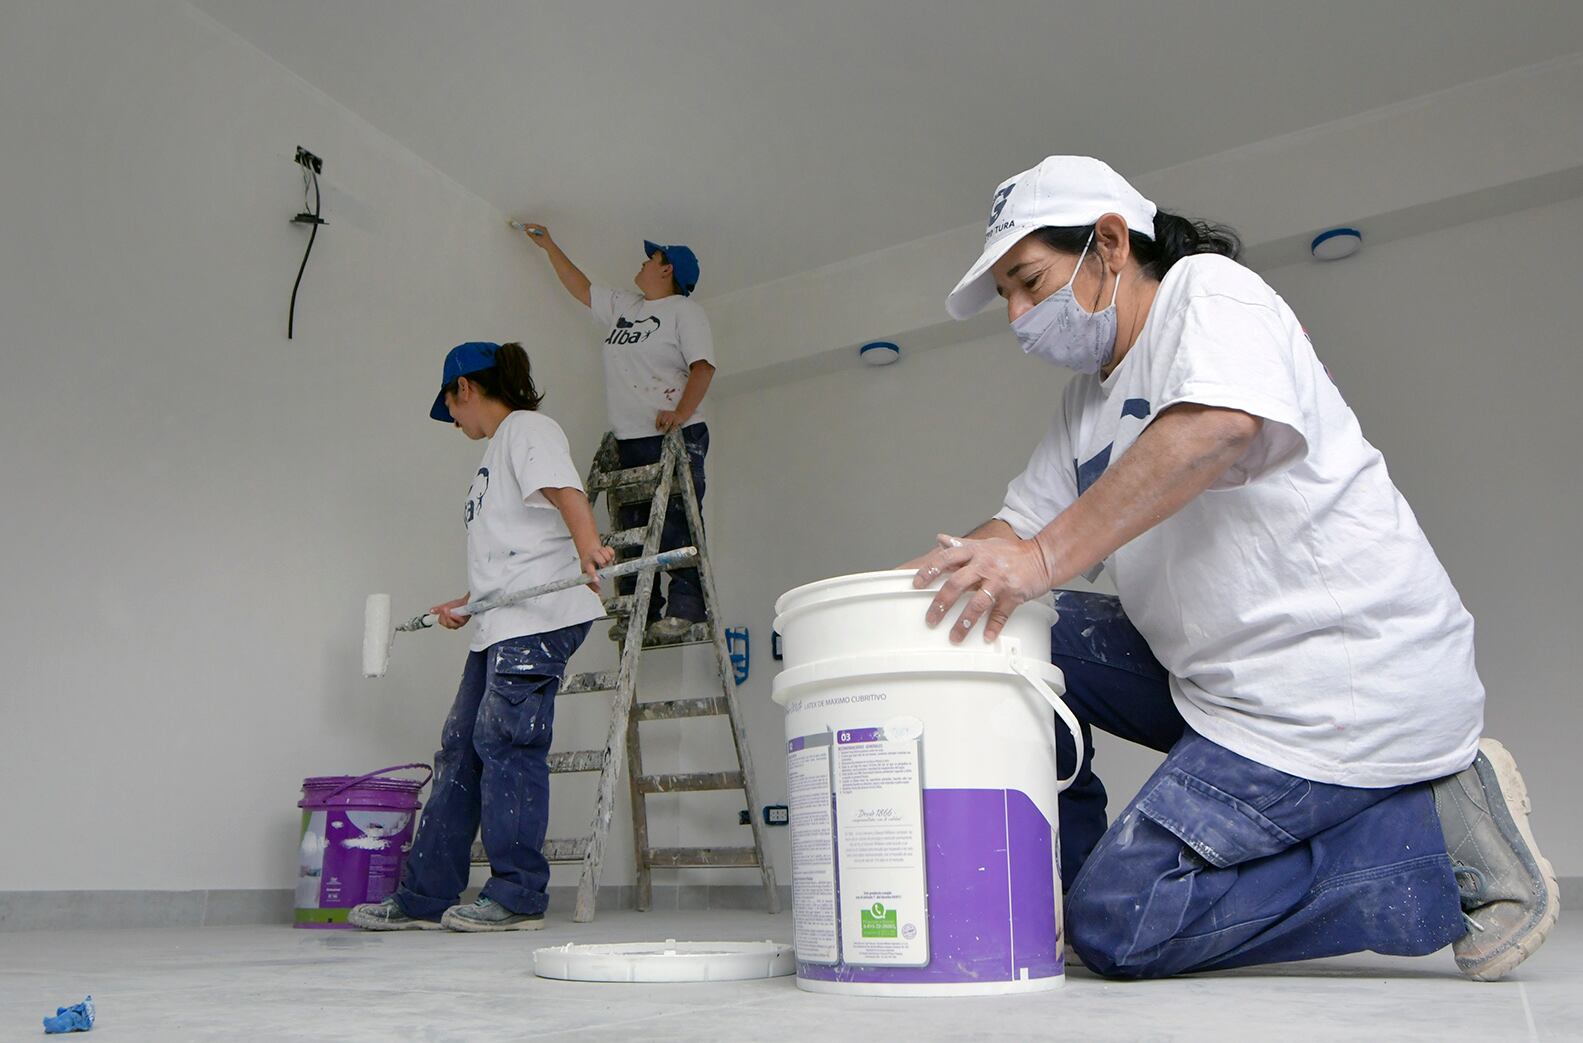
x,y
665,961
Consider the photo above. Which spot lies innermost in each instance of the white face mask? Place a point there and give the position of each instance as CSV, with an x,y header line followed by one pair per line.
x,y
1060,330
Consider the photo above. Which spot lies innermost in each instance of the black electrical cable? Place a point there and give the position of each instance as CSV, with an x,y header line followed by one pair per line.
x,y
307,172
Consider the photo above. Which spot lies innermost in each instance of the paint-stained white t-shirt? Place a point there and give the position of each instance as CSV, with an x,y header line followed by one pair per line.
x,y
515,536
649,347
1304,618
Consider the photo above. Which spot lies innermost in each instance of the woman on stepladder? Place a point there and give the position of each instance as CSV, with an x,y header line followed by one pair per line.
x,y
528,522
659,360
1284,632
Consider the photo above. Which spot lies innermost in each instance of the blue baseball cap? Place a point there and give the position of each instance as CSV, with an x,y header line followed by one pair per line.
x,y
683,262
460,361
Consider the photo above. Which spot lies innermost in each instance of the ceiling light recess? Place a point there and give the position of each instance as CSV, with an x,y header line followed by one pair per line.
x,y
1336,243
879,353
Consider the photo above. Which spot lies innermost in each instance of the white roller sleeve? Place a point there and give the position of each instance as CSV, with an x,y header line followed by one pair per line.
x,y
376,635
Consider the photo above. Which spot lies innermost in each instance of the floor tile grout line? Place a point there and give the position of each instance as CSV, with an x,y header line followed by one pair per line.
x,y
1528,1012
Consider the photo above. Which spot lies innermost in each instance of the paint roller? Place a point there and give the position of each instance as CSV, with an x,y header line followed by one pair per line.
x,y
521,226
378,633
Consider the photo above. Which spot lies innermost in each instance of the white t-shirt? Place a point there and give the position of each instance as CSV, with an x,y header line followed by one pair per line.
x,y
1304,619
516,538
648,349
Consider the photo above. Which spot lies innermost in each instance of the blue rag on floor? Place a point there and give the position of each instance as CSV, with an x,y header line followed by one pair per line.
x,y
76,1018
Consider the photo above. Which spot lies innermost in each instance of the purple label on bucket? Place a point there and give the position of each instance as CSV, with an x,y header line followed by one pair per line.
x,y
803,742
851,735
993,890
350,855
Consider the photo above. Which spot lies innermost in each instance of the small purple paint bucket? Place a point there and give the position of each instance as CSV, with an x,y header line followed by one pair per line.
x,y
356,831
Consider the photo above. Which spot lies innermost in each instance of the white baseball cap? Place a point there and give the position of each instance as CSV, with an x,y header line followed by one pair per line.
x,y
1061,192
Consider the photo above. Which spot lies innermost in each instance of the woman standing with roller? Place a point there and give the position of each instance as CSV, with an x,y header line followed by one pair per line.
x,y
528,522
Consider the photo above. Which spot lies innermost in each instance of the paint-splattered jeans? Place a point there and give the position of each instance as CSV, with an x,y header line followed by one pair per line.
x,y
684,599
492,770
1220,861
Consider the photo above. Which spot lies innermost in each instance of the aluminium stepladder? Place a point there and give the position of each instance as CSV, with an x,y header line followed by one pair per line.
x,y
656,483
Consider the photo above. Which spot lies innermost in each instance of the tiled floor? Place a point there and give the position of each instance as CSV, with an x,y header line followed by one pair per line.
x,y
275,983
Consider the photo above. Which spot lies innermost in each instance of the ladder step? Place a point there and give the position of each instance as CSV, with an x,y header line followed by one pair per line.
x,y
675,709
577,760
699,857
627,495
626,537
697,634
690,782
626,476
572,850
602,681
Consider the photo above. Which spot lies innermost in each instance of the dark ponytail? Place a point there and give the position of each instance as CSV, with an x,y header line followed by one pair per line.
x,y
1174,238
509,380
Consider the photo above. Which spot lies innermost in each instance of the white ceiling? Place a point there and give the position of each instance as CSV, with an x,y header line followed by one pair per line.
x,y
775,137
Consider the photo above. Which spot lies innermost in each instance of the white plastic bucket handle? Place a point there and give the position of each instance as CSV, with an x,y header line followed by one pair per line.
x,y
1032,671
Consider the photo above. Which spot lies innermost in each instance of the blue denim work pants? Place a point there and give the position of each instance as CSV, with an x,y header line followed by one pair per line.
x,y
684,599
1220,861
492,770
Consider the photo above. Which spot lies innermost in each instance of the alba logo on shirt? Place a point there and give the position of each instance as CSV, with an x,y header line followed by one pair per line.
x,y
475,496
627,332
1088,473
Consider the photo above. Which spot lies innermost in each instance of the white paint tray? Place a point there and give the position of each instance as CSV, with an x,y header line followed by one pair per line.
x,y
666,961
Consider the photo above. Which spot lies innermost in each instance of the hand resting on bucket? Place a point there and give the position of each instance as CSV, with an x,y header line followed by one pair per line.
x,y
995,574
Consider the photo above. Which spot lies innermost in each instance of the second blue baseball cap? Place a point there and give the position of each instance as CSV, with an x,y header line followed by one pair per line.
x,y
460,361
683,262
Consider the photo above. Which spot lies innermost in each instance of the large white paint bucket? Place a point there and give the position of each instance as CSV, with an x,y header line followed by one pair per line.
x,y
922,783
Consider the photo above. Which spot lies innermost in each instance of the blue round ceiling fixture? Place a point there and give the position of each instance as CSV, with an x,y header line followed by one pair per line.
x,y
879,353
1336,243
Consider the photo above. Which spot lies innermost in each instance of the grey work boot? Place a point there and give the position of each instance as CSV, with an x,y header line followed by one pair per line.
x,y
667,629
387,916
1509,894
486,914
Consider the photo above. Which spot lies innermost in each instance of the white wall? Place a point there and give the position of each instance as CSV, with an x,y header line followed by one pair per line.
x,y
1455,348
195,507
